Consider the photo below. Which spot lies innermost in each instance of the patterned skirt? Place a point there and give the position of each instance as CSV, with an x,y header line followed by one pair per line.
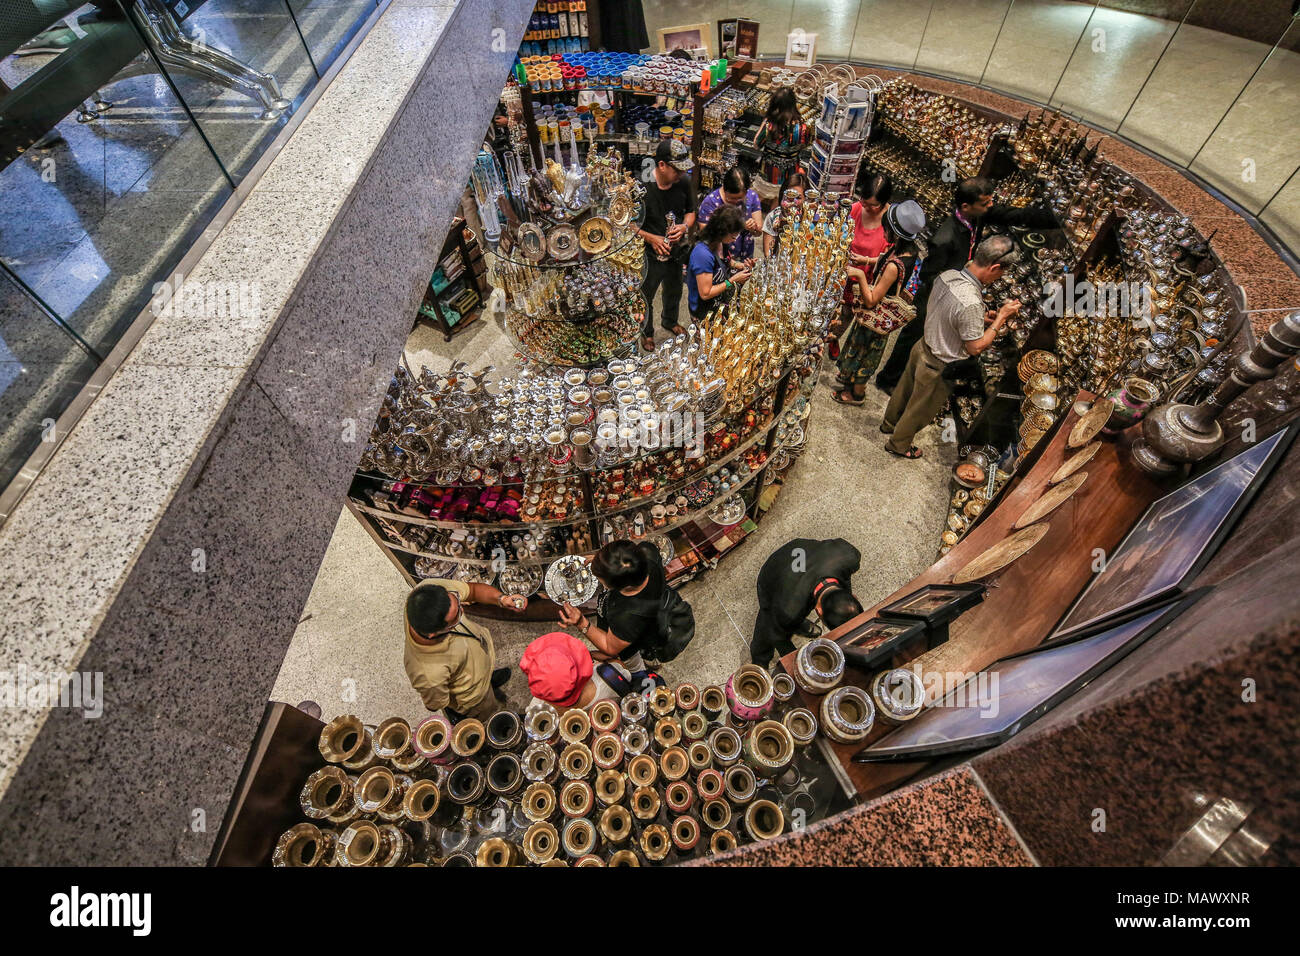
x,y
860,354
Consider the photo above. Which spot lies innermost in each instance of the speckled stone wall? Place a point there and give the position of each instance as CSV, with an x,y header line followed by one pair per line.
x,y
945,820
189,658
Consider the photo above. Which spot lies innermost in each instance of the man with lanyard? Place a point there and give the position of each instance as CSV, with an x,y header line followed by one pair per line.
x,y
957,327
668,192
800,577
951,247
449,659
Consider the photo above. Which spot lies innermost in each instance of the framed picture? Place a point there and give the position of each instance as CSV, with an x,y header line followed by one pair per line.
x,y
935,604
727,37
1174,538
1000,701
877,639
747,39
800,49
693,36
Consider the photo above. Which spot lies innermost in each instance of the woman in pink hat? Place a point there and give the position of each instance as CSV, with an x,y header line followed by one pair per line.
x,y
560,670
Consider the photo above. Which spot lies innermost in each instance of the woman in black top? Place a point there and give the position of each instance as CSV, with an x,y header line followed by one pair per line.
x,y
627,613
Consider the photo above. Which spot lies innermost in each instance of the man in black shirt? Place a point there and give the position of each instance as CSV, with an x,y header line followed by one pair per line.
x,y
951,247
627,615
801,576
669,190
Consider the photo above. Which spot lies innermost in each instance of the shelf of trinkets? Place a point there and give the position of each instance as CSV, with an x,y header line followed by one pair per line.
x,y
573,212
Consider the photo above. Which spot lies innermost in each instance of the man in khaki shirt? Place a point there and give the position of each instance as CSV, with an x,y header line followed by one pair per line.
x,y
450,659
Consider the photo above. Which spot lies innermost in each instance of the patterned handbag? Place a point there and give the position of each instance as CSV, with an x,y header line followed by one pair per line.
x,y
890,313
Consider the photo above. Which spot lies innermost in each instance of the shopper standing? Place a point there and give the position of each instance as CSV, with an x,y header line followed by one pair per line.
x,y
951,247
626,628
450,660
797,183
560,672
802,576
866,339
782,138
955,328
710,281
868,242
668,194
735,192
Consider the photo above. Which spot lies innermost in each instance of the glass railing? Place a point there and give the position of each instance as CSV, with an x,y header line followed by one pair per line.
x,y
1212,86
124,125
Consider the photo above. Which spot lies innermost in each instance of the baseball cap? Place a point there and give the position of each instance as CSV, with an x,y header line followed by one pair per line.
x,y
906,219
675,153
558,666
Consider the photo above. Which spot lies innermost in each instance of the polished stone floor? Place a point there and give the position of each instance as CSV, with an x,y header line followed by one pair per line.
x,y
347,652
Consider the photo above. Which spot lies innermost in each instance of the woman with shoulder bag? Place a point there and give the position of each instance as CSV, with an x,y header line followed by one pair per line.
x,y
882,303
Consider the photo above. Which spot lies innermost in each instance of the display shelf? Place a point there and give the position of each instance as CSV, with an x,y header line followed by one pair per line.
x,y
461,247
760,432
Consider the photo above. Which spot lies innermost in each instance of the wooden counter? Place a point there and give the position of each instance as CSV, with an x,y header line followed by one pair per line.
x,y
1025,601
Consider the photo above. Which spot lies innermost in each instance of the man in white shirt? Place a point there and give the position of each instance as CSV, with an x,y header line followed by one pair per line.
x,y
956,327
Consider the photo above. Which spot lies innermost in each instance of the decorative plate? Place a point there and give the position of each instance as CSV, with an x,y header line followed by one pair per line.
x,y
563,242
1087,427
729,512
569,581
1074,464
596,235
532,242
665,546
1001,554
1053,499
621,208
519,580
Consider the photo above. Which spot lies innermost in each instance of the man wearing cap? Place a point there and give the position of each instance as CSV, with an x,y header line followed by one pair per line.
x,y
956,327
559,669
667,193
450,659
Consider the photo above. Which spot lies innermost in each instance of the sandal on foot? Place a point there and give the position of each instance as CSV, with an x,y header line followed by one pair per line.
x,y
851,398
911,454
648,344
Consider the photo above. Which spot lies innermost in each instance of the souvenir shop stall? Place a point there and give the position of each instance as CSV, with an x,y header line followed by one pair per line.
x,y
513,475
1124,299
1020,613
516,475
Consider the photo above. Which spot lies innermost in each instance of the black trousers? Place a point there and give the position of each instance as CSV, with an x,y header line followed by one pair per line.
x,y
908,336
668,277
769,636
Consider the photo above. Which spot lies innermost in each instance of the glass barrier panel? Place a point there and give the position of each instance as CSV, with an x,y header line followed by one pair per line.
x,y
1256,148
328,25
1282,214
41,368
833,23
1035,42
239,65
959,37
106,182
1198,77
889,32
1114,57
